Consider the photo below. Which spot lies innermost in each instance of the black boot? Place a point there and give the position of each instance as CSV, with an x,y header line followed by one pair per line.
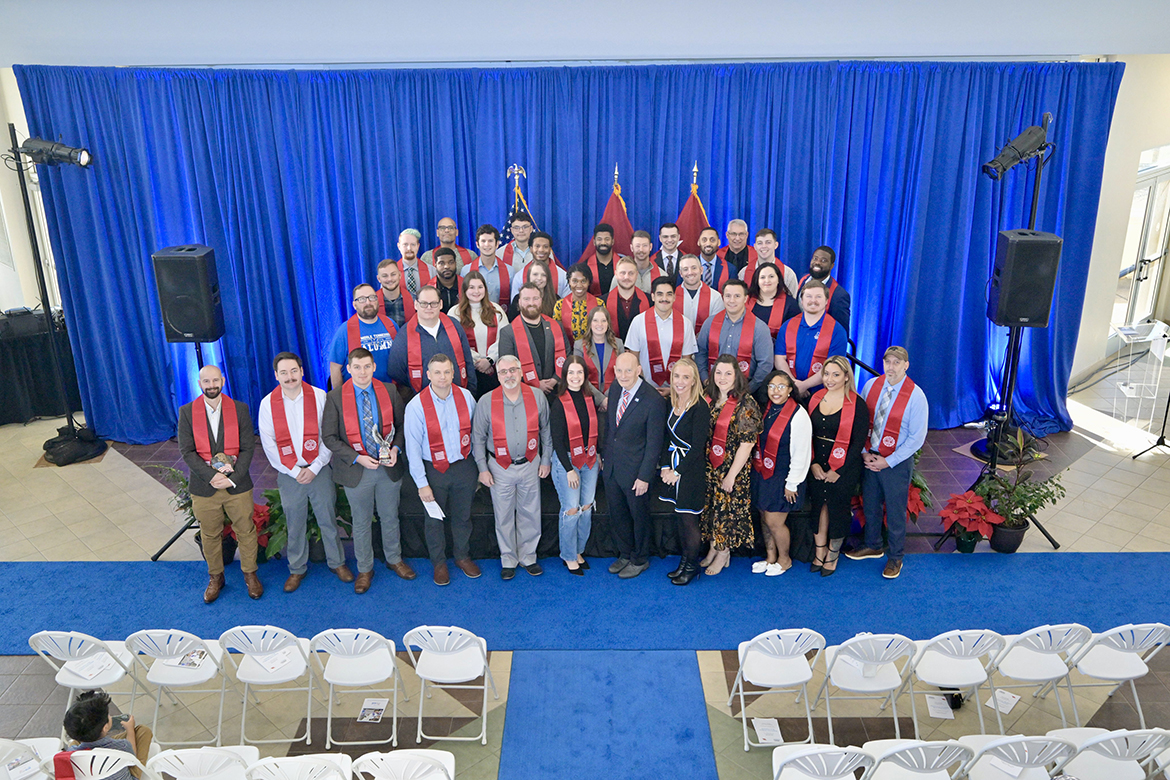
x,y
689,570
681,562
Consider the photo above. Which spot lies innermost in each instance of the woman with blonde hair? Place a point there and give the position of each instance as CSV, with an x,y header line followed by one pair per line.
x,y
684,463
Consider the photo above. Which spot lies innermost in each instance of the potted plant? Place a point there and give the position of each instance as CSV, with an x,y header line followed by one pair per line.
x,y
277,527
918,498
181,502
1017,496
975,520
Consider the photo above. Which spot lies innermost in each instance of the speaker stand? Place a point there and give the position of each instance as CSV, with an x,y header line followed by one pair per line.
x,y
1161,442
190,523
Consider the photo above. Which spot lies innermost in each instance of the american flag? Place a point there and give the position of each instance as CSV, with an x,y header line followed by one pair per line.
x,y
516,210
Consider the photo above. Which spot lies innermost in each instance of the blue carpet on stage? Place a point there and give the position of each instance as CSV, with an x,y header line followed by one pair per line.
x,y
557,611
600,714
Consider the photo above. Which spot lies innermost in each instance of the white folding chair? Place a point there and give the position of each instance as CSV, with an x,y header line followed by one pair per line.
x,y
894,758
821,762
1111,755
412,764
449,657
358,658
16,754
1039,657
272,657
1030,755
99,763
776,660
206,763
84,663
1120,655
957,659
867,665
322,766
172,666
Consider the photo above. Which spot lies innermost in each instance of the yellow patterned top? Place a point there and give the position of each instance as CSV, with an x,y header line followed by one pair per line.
x,y
578,318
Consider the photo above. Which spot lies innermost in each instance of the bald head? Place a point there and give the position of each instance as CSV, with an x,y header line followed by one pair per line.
x,y
626,370
210,382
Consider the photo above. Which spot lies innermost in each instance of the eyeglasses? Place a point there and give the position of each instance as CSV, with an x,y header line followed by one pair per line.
x,y
513,370
447,227
365,298
428,304
780,386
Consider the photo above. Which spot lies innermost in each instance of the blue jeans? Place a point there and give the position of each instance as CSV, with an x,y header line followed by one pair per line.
x,y
888,488
574,529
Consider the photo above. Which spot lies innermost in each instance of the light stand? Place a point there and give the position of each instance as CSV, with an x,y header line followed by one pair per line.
x,y
1161,442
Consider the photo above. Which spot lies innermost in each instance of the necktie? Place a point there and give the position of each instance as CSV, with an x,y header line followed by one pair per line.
x,y
708,269
670,266
879,417
622,406
412,280
367,424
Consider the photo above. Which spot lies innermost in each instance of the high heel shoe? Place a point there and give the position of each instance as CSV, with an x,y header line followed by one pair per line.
x,y
814,567
709,558
681,563
689,569
722,558
836,553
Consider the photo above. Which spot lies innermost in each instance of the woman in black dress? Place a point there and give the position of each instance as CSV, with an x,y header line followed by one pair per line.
x,y
769,300
840,423
779,469
684,463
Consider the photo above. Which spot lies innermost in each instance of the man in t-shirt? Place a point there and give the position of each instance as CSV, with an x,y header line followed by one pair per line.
x,y
660,336
368,329
88,722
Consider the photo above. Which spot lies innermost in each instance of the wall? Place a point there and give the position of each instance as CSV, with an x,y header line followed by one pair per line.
x,y
1141,121
17,283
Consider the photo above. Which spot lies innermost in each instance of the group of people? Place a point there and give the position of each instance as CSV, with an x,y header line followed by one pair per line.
x,y
720,375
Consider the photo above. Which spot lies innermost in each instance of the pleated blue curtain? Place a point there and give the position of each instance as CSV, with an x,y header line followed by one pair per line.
x,y
302,180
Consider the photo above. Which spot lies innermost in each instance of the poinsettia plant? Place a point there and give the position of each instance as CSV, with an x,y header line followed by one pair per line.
x,y
971,513
259,518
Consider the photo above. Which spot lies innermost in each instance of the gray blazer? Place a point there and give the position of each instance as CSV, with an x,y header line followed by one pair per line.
x,y
583,346
345,471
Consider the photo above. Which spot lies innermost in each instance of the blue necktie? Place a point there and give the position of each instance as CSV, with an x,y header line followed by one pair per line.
x,y
367,423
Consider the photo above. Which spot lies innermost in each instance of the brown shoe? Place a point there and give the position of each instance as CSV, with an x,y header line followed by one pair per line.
x,y
442,576
343,573
892,570
403,570
362,583
255,589
293,582
213,588
468,567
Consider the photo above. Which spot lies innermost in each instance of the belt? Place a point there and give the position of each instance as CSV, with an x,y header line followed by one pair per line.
x,y
519,461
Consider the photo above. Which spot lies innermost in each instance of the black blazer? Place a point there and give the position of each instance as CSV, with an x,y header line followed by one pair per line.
x,y
632,448
656,258
694,428
201,473
345,471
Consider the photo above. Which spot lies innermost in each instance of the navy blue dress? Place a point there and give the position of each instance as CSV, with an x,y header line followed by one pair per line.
x,y
768,494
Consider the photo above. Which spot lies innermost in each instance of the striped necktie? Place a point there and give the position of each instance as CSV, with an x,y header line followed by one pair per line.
x,y
368,423
622,406
412,280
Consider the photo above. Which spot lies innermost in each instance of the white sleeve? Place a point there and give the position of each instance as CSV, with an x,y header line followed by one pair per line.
x,y
637,333
268,436
799,449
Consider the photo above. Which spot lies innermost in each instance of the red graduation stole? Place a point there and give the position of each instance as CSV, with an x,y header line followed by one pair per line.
x,y
465,255
231,427
894,418
435,433
717,454
554,273
500,431
510,252
407,304
595,285
820,351
425,276
764,458
750,267
505,280
349,414
284,442
660,369
844,427
524,348
720,273
830,285
612,302
591,369
581,453
703,308
491,334
567,310
776,315
743,352
353,328
414,360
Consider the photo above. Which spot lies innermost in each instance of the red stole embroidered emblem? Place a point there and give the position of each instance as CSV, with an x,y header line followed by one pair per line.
x,y
893,427
820,351
844,427
524,349
743,352
660,369
353,425
435,434
414,361
764,459
702,303
718,452
353,329
505,280
581,453
284,442
231,427
407,304
499,427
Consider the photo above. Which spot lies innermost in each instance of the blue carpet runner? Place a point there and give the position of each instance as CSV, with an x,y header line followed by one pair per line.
x,y
557,611
589,714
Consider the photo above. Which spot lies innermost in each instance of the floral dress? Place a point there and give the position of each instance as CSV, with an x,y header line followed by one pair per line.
x,y
727,520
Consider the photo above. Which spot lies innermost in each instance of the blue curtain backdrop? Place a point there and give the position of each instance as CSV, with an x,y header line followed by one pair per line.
x,y
302,180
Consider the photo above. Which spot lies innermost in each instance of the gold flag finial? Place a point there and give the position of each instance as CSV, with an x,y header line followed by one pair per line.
x,y
695,179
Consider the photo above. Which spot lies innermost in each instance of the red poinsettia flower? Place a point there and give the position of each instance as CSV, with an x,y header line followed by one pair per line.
x,y
260,519
914,503
970,512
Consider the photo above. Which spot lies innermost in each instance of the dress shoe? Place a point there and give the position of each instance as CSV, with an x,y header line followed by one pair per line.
x,y
507,573
633,570
584,564
293,582
255,589
862,553
688,570
442,576
618,565
343,573
214,586
579,571
468,567
534,569
403,570
362,583
892,570
672,574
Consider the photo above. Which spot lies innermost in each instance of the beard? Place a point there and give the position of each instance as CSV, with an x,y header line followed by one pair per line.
x,y
604,250
820,274
211,393
530,312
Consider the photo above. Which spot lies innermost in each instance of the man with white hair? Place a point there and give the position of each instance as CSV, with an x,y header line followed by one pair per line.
x,y
737,251
415,275
512,422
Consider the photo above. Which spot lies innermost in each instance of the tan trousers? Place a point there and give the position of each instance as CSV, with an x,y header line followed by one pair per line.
x,y
210,512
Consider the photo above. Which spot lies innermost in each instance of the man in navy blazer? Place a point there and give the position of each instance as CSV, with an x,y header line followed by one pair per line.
x,y
636,421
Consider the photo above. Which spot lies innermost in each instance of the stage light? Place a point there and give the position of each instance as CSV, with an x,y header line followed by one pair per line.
x,y
1024,146
50,153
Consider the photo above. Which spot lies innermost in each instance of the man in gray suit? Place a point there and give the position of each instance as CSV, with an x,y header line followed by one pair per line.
x,y
357,415
545,345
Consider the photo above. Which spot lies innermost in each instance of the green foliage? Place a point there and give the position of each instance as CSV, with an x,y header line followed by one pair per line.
x,y
278,523
181,500
1018,496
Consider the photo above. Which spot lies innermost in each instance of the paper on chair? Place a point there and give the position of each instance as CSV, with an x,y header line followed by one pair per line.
x,y
1008,769
20,770
89,668
372,710
1004,700
434,510
192,660
938,707
274,661
767,730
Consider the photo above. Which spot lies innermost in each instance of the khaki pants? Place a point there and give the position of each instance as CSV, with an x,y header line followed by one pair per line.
x,y
210,512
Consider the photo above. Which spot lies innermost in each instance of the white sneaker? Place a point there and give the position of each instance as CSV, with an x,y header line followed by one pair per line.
x,y
759,567
774,570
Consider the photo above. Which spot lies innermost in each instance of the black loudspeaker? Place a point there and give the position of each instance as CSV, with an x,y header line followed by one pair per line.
x,y
188,292
1024,278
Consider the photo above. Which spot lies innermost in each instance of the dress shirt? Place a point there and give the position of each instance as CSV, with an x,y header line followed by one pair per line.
x,y
483,446
294,414
636,339
359,395
418,447
520,257
690,299
762,360
912,433
395,307
213,413
669,263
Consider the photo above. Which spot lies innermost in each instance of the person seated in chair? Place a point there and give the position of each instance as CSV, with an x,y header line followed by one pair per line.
x,y
89,723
